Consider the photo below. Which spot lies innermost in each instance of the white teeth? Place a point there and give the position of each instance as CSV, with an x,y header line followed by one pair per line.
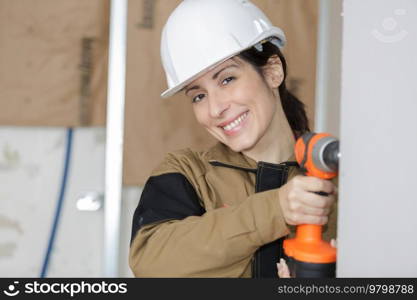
x,y
235,122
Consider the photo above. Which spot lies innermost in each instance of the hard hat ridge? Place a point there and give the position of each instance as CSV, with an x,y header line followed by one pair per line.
x,y
273,40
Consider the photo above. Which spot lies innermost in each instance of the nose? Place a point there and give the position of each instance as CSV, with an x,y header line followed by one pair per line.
x,y
218,104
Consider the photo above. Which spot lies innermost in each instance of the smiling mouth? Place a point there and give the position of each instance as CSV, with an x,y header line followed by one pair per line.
x,y
236,122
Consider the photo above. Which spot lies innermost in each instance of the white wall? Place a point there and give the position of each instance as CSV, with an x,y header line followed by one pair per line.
x,y
31,165
378,203
329,49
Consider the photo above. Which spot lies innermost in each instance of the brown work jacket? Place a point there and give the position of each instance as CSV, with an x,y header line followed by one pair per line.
x,y
206,214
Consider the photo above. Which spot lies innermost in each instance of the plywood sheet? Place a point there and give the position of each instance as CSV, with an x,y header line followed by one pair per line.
x,y
153,125
299,20
53,58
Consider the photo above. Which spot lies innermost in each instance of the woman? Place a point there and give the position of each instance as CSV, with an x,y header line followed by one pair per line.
x,y
225,212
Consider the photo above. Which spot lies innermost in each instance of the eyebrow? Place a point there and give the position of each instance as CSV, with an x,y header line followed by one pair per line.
x,y
218,73
214,77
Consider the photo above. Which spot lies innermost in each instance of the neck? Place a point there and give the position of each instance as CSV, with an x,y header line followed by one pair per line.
x,y
277,144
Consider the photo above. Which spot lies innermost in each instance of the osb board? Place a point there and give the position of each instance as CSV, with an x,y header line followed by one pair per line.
x,y
299,20
155,126
53,62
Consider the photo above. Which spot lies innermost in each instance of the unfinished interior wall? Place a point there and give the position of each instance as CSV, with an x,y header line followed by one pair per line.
x,y
53,62
31,167
54,58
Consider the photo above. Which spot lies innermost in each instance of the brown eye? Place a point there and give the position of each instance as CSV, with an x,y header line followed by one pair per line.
x,y
198,98
227,80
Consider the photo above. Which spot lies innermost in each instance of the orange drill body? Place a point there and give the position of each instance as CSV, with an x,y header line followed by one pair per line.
x,y
308,246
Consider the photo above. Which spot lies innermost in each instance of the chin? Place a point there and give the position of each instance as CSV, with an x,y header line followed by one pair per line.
x,y
239,146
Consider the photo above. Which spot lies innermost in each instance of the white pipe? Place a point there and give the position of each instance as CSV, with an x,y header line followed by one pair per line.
x,y
322,69
114,136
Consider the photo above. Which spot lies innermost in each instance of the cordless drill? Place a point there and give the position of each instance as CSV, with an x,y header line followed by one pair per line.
x,y
309,255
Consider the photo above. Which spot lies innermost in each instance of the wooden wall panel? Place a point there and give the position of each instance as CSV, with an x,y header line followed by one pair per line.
x,y
155,126
53,62
299,20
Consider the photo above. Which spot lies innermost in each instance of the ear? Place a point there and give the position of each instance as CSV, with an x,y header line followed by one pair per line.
x,y
273,72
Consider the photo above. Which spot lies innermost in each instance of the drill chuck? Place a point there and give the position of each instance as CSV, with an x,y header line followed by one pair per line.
x,y
331,155
326,154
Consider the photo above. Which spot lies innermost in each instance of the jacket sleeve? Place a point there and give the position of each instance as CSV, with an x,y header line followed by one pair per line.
x,y
173,236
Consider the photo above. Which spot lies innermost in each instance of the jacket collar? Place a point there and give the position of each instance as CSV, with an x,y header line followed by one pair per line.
x,y
222,154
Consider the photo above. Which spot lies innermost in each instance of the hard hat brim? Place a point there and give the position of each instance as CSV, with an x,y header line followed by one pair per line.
x,y
274,31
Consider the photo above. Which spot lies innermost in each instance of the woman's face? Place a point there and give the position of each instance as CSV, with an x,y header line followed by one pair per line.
x,y
235,104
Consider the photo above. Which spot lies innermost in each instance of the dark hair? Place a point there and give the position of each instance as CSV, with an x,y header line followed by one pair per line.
x,y
294,109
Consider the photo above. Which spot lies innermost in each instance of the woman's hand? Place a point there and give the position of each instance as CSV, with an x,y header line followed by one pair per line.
x,y
301,205
284,271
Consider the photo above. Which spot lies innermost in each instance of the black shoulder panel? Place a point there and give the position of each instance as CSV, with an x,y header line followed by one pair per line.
x,y
166,197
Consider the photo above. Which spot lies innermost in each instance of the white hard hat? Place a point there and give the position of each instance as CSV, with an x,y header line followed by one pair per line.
x,y
201,34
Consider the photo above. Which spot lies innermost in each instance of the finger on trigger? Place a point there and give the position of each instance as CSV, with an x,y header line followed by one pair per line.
x,y
317,201
315,184
315,211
